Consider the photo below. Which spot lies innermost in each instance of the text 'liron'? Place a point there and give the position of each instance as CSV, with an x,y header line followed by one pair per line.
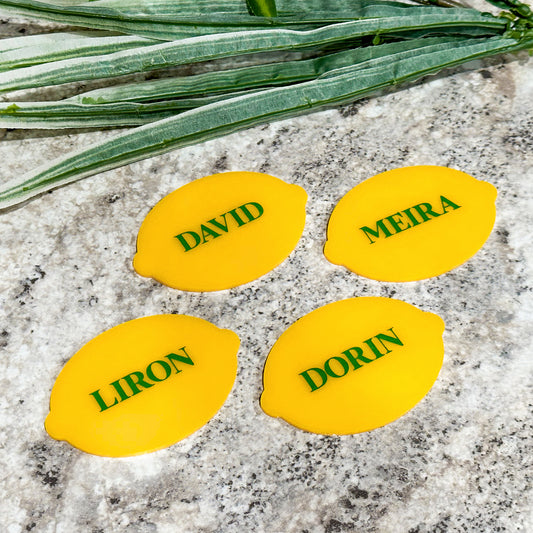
x,y
135,382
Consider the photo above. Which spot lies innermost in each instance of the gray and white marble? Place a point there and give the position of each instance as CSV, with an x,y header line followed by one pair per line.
x,y
459,461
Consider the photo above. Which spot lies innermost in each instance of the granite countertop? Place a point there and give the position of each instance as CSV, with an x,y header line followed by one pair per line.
x,y
459,461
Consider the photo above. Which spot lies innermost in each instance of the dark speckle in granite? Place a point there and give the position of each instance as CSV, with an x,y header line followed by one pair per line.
x,y
114,197
4,338
352,109
45,466
220,164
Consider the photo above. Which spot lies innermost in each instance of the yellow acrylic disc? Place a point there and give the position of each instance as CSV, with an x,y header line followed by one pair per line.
x,y
353,365
143,385
411,223
220,231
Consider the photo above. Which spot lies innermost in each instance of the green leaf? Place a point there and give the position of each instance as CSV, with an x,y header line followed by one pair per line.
x,y
167,20
60,46
257,76
65,114
26,41
204,48
86,112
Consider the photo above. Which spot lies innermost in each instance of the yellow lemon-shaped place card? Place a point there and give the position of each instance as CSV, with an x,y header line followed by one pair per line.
x,y
143,385
411,223
220,231
353,365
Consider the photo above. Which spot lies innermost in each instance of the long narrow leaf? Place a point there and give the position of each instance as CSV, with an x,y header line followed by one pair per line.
x,y
69,114
172,11
59,48
148,27
26,41
265,75
171,6
214,120
177,25
226,45
64,114
233,6
224,22
202,13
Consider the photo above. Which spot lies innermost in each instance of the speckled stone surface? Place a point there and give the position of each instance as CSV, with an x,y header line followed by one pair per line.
x,y
459,461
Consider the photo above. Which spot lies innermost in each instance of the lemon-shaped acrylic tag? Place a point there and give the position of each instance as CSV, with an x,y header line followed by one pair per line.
x,y
143,385
353,365
411,223
220,231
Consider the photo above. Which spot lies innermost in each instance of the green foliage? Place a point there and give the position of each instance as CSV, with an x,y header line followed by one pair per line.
x,y
354,49
414,22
